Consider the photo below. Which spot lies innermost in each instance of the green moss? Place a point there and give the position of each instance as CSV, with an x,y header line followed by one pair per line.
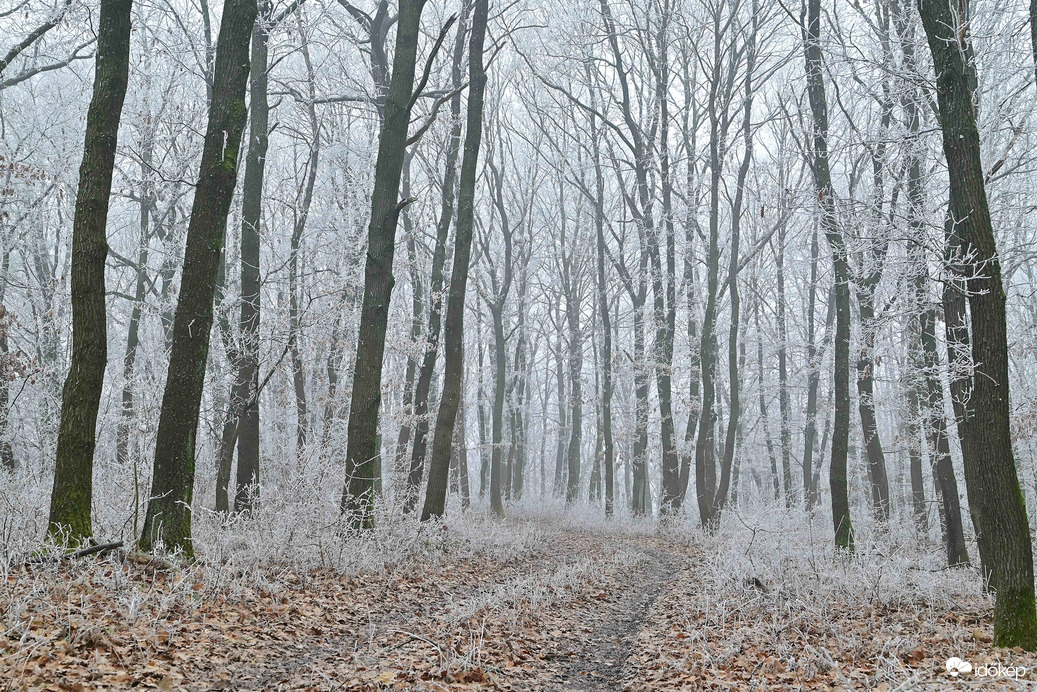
x,y
1015,620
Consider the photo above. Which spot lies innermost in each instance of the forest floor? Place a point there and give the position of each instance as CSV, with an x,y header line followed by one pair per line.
x,y
571,608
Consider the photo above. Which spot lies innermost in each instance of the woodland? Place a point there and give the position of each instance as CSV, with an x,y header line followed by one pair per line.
x,y
518,345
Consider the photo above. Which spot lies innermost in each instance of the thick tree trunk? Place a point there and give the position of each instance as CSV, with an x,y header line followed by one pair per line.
x,y
435,495
168,519
995,497
830,225
73,473
362,452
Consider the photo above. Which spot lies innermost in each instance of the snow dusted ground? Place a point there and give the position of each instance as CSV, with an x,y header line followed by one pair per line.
x,y
551,598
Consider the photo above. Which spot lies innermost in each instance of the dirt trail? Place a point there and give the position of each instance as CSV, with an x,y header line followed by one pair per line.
x,y
562,617
567,610
599,658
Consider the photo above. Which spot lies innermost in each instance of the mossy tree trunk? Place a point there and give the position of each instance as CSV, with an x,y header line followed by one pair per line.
x,y
995,498
168,519
74,465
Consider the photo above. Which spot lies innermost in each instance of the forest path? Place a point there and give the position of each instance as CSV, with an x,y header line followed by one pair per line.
x,y
596,656
568,610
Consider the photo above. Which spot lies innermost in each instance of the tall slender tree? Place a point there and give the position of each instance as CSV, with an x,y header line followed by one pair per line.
x,y
435,318
837,244
251,218
71,498
362,453
453,342
168,518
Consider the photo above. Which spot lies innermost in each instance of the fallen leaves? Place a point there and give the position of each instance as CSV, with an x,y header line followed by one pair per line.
x,y
636,612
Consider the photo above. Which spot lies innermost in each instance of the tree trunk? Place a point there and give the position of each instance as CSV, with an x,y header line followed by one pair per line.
x,y
933,420
664,284
732,282
73,473
246,415
784,402
435,495
129,360
606,342
573,457
302,215
995,497
563,411
914,451
168,519
400,463
362,450
7,461
830,225
500,383
446,215
480,399
813,377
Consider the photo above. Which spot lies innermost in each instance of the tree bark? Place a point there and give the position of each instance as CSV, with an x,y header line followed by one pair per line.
x,y
72,493
435,495
995,497
168,519
934,421
833,233
446,217
247,416
362,450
